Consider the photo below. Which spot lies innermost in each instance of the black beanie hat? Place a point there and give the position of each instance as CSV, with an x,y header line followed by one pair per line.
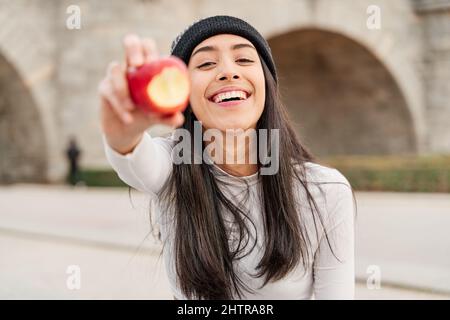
x,y
185,42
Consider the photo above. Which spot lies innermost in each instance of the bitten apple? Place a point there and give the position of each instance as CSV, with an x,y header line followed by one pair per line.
x,y
161,86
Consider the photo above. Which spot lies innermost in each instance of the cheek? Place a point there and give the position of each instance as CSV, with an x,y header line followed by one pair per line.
x,y
197,99
261,96
197,92
258,80
199,85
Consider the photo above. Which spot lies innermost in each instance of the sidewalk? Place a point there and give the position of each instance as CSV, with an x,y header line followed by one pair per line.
x,y
405,236
45,229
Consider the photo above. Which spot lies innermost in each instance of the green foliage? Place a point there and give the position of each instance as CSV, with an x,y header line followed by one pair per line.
x,y
102,178
395,173
392,173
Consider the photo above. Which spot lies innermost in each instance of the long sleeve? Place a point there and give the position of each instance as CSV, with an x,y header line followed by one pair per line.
x,y
334,279
147,167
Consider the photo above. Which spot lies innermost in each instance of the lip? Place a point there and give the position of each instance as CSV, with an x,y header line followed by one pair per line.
x,y
230,88
230,103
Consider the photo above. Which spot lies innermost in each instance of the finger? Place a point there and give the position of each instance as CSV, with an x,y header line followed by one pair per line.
x,y
120,85
133,50
107,110
150,50
106,92
124,115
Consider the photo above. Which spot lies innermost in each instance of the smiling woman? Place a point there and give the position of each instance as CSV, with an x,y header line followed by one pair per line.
x,y
229,231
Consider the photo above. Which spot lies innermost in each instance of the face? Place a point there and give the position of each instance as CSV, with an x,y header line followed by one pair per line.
x,y
223,69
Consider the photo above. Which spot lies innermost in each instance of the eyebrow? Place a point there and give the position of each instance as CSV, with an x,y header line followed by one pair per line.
x,y
212,48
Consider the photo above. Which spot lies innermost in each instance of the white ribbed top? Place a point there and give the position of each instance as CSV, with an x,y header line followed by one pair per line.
x,y
148,167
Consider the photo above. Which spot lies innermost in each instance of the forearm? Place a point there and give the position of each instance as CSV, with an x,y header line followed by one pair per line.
x,y
124,147
146,167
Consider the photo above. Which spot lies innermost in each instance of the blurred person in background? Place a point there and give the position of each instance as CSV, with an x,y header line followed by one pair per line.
x,y
73,154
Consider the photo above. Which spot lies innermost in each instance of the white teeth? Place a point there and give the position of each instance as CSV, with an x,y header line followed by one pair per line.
x,y
230,94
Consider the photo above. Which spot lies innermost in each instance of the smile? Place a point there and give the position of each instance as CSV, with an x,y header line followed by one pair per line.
x,y
230,98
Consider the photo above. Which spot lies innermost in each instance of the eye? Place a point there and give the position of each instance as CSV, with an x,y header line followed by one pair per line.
x,y
206,64
245,60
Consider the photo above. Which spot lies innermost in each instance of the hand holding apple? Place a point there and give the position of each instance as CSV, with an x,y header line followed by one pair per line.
x,y
122,122
161,86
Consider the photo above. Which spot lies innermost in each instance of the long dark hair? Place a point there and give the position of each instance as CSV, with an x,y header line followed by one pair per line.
x,y
204,258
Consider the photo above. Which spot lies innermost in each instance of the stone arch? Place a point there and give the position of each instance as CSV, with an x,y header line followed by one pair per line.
x,y
23,146
342,98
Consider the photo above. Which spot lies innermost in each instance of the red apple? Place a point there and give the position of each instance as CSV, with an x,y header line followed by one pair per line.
x,y
161,86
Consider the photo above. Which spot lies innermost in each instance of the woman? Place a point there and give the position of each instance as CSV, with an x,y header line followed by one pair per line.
x,y
229,231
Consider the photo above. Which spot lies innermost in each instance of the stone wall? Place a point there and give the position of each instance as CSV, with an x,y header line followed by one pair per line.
x,y
390,82
436,25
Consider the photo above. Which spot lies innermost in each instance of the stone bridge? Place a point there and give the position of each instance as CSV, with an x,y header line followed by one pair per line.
x,y
350,88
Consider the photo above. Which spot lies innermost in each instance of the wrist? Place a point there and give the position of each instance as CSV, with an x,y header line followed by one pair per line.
x,y
125,147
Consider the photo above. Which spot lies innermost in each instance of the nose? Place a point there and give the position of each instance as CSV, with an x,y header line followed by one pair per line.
x,y
227,76
228,72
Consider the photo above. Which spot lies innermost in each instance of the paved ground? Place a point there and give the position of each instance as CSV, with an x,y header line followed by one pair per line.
x,y
407,237
45,230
